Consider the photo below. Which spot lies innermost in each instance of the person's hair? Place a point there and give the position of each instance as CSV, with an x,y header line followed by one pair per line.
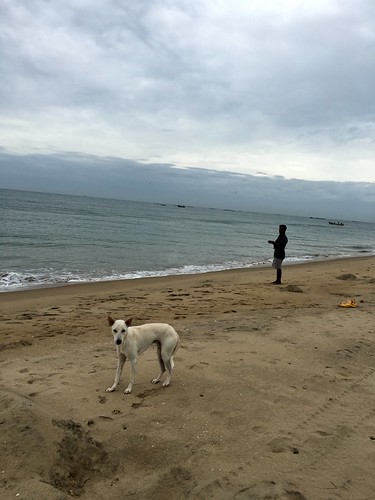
x,y
283,227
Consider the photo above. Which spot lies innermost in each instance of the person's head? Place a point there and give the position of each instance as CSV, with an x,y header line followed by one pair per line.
x,y
282,228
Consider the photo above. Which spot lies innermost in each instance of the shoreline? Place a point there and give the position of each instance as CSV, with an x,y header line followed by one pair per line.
x,y
259,267
264,400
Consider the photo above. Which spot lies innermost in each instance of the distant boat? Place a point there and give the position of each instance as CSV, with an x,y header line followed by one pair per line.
x,y
335,223
181,206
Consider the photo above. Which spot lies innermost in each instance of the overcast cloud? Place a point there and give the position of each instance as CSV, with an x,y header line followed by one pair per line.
x,y
179,96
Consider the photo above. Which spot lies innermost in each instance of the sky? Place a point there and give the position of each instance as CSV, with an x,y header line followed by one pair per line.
x,y
245,104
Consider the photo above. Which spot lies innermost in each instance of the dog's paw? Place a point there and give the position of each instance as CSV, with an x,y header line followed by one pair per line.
x,y
166,383
110,389
128,390
155,380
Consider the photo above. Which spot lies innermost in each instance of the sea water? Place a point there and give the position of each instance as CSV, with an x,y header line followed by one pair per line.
x,y
51,239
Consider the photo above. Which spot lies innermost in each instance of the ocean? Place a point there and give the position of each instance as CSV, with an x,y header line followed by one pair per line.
x,y
53,239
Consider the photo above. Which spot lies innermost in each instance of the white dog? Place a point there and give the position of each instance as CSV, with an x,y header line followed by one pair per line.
x,y
131,341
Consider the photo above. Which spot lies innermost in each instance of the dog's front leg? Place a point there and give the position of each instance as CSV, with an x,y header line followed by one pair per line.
x,y
120,365
132,375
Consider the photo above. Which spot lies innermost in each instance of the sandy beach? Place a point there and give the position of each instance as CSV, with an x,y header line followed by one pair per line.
x,y
272,395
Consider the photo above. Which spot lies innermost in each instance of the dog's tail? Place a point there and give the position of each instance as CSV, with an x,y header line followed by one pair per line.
x,y
174,351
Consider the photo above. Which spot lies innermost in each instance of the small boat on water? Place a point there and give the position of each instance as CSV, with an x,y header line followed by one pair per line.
x,y
335,223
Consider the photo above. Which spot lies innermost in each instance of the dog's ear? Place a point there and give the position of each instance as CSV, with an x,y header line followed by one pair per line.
x,y
128,322
110,321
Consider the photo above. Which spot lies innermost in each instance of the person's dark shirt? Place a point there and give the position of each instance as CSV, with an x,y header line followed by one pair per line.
x,y
279,246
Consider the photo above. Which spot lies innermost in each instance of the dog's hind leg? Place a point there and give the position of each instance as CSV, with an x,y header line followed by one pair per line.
x,y
161,364
169,367
169,363
120,365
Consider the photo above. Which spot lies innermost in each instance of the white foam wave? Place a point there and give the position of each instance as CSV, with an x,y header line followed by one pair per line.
x,y
14,280
44,278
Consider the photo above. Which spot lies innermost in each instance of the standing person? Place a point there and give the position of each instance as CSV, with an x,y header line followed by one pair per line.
x,y
279,252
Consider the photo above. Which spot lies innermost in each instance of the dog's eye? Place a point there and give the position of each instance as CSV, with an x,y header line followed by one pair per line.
x,y
122,331
114,331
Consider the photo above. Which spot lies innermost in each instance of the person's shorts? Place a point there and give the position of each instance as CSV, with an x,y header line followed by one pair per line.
x,y
276,264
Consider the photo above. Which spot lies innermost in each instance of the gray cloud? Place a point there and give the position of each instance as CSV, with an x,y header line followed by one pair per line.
x,y
165,183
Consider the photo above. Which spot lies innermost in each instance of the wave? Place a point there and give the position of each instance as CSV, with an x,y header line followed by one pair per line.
x,y
44,278
12,281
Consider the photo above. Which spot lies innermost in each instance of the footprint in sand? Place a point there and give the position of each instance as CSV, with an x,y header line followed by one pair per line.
x,y
282,445
271,489
195,365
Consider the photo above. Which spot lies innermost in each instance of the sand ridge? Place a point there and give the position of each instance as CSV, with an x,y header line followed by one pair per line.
x,y
271,397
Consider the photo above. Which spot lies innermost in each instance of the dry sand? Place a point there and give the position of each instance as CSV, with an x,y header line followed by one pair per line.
x,y
272,397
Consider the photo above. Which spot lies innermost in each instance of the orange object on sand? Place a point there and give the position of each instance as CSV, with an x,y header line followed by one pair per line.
x,y
348,303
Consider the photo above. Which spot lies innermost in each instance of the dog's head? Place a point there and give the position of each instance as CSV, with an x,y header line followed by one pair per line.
x,y
119,329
